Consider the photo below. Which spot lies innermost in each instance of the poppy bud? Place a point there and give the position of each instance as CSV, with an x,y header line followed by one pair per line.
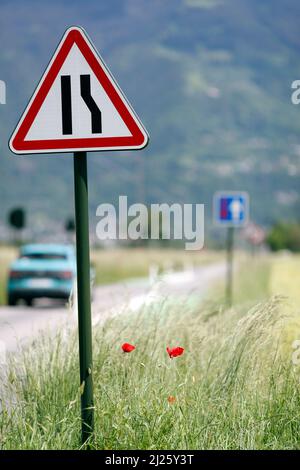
x,y
171,399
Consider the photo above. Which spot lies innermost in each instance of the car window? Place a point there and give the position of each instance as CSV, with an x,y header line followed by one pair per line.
x,y
46,256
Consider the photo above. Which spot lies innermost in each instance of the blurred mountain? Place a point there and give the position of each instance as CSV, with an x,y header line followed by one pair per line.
x,y
210,79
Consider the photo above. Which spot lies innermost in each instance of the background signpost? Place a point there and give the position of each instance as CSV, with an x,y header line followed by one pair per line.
x,y
229,278
70,229
231,210
17,220
70,225
255,236
78,107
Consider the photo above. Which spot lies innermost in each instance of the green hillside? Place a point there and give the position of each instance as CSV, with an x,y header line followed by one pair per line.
x,y
211,80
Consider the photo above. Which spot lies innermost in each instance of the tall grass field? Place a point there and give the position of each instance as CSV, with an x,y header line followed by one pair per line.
x,y
234,387
117,264
7,255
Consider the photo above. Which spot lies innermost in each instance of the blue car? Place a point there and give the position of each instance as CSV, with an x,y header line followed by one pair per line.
x,y
42,270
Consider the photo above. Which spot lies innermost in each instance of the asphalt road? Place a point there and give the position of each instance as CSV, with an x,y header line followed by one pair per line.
x,y
20,325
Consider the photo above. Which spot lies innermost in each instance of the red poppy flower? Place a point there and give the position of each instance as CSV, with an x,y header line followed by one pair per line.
x,y
174,352
171,399
127,348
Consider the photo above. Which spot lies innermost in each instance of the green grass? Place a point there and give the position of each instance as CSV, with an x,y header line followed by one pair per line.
x,y
252,286
235,387
286,276
117,264
7,255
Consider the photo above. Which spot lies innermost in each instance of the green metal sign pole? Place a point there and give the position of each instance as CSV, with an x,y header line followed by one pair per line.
x,y
229,276
84,294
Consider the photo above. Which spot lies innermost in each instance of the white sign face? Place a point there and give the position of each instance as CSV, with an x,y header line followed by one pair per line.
x,y
77,106
47,126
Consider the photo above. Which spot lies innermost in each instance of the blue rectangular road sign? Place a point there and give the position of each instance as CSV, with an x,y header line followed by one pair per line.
x,y
231,208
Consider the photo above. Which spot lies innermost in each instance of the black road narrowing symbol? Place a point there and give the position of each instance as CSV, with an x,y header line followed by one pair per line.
x,y
85,88
66,104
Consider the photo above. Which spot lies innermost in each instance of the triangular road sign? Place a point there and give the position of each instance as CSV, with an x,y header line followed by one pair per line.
x,y
77,106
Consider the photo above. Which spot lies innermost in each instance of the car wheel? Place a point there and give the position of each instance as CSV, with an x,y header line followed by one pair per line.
x,y
29,302
12,300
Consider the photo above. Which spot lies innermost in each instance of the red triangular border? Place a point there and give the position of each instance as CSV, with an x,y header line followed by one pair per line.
x,y
137,140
